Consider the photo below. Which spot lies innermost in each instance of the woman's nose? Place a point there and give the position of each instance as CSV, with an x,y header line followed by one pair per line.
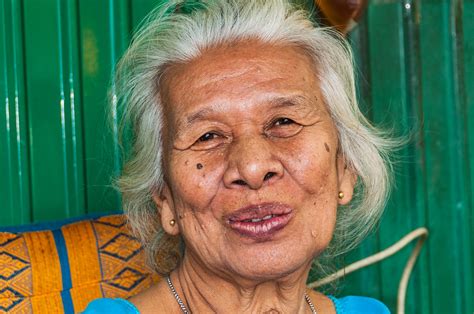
x,y
252,163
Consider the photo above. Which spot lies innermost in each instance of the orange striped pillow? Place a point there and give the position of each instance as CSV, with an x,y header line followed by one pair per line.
x,y
62,270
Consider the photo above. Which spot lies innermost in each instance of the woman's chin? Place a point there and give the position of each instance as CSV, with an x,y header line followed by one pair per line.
x,y
269,265
258,272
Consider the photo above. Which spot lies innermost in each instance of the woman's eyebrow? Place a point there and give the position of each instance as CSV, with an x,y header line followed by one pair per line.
x,y
282,102
276,103
196,116
200,114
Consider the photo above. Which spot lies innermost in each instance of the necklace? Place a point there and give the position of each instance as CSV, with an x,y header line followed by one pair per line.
x,y
176,296
310,303
184,309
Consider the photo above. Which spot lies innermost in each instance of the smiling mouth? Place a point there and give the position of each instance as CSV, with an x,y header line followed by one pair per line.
x,y
261,221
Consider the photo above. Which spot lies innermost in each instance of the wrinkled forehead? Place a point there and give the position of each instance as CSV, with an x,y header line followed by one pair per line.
x,y
237,69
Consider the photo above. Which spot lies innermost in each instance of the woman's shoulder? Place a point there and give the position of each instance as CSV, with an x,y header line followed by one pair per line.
x,y
345,305
356,305
116,306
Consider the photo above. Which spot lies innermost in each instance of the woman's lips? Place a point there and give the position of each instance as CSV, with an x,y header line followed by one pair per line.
x,y
260,221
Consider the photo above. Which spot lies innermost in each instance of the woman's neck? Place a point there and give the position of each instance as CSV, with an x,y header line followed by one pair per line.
x,y
203,291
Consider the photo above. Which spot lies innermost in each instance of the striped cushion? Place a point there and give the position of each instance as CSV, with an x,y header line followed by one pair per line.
x,y
62,270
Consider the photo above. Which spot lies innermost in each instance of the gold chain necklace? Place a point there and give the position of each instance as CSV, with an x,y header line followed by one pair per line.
x,y
184,309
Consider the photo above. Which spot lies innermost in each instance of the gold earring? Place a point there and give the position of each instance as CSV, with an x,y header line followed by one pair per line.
x,y
172,222
340,195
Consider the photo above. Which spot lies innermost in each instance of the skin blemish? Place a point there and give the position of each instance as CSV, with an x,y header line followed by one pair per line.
x,y
327,147
199,166
186,162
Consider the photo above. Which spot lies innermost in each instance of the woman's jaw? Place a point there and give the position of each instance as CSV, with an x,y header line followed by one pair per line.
x,y
260,240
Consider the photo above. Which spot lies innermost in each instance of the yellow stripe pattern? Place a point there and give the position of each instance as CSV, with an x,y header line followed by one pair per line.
x,y
104,261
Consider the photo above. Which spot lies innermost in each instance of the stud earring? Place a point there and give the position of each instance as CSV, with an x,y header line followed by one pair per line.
x,y
340,195
172,222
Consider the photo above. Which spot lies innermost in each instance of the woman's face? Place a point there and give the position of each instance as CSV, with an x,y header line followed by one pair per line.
x,y
251,164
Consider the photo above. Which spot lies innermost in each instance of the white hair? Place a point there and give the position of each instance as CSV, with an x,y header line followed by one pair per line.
x,y
180,31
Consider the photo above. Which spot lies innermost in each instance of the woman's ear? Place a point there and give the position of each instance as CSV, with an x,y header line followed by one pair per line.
x,y
165,205
347,179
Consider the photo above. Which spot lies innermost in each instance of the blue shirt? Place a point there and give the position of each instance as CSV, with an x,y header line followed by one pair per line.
x,y
346,305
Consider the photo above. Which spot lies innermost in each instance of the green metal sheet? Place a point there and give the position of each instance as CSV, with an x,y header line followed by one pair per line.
x,y
363,282
389,106
55,152
412,182
468,66
104,35
445,162
140,8
14,167
393,68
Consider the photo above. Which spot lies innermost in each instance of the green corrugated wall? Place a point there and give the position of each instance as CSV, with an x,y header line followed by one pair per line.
x,y
415,74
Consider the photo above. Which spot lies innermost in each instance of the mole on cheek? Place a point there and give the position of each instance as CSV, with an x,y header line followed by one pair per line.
x,y
327,147
199,166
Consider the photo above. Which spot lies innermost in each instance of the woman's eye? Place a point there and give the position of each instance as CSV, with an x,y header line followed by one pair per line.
x,y
209,140
283,121
283,128
207,137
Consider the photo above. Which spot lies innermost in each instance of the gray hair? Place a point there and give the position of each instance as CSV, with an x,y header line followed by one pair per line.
x,y
179,32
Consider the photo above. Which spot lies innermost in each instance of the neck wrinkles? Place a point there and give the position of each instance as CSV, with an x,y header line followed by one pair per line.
x,y
206,291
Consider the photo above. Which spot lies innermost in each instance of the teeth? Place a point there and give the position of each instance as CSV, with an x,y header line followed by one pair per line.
x,y
267,217
260,219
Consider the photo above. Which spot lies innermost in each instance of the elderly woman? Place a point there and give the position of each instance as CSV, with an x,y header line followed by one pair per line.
x,y
251,161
